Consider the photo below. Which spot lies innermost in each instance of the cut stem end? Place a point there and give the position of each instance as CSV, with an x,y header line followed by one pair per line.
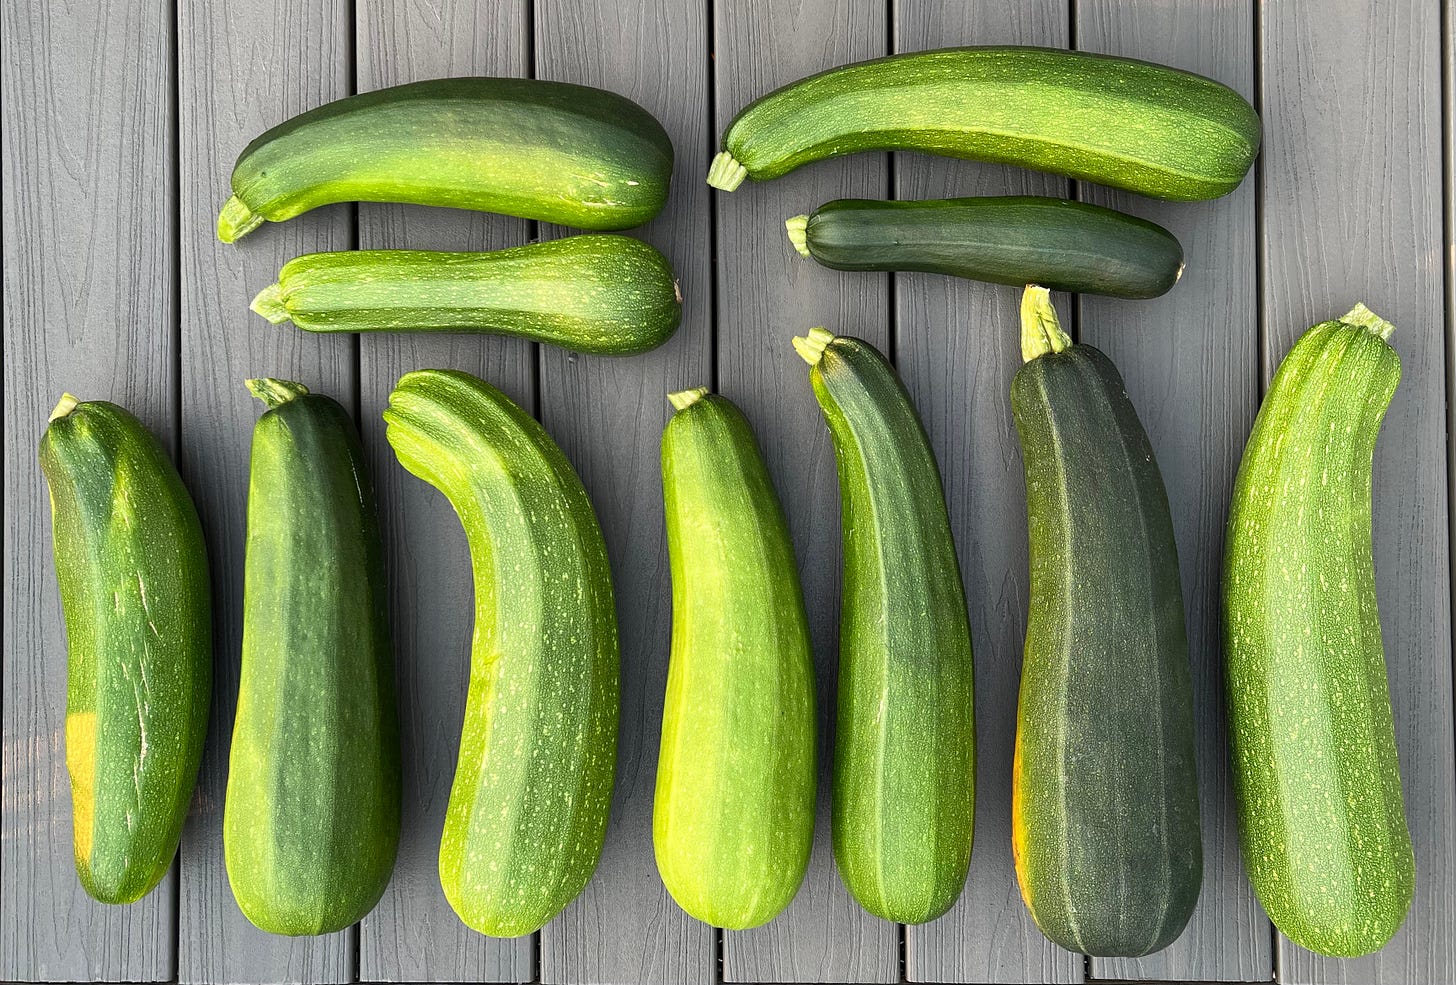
x,y
812,344
275,393
1041,332
1368,320
725,173
269,304
236,220
683,399
798,228
67,404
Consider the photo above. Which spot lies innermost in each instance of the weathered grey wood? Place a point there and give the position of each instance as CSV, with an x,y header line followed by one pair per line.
x,y
957,346
88,290
1352,211
1190,360
242,68
608,415
766,294
414,935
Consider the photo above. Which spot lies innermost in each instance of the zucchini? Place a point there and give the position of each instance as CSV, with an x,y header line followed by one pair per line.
x,y
528,809
1312,737
905,749
1067,246
135,594
733,818
1128,124
600,294
311,820
551,151
1104,797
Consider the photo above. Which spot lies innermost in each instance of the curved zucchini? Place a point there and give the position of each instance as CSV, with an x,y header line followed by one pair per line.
x,y
601,294
733,819
136,597
551,151
1119,122
311,820
905,752
1104,801
528,809
1067,246
1312,737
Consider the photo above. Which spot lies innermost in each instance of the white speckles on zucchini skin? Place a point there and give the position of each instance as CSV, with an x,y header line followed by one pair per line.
x,y
1312,738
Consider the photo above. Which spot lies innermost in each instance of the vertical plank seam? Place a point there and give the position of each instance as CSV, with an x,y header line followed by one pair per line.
x,y
710,93
892,313
1447,29
538,356
1076,193
174,177
356,390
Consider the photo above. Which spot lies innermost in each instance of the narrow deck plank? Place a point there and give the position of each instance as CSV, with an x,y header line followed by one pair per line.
x,y
414,935
1190,360
608,415
244,67
958,348
766,294
89,280
1352,211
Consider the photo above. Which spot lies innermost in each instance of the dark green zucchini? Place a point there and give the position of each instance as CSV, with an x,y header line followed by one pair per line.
x,y
1104,802
1017,240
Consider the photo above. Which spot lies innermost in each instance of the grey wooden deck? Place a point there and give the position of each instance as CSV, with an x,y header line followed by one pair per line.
x,y
121,122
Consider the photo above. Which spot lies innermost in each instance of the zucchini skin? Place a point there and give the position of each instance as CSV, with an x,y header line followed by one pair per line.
x,y
1129,124
1016,240
905,749
609,295
528,808
312,816
550,151
733,817
136,596
1104,816
1312,736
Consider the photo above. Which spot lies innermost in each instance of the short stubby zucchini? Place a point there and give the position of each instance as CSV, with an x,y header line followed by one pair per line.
x,y
733,819
1060,244
137,603
905,748
611,295
528,809
1312,737
542,150
1104,796
312,816
1128,124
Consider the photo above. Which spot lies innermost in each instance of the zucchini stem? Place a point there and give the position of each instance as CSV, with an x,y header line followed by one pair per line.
x,y
1369,320
236,220
798,228
812,344
67,404
1041,332
274,392
683,399
269,304
725,173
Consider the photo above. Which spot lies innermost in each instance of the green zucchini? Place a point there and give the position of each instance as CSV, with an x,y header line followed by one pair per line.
x,y
311,820
733,820
600,294
528,809
540,150
1104,800
1312,737
1119,122
1067,246
136,597
905,749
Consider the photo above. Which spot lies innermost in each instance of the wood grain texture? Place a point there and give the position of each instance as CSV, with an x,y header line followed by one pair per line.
x,y
957,346
89,258
244,67
608,414
414,935
1352,211
766,294
1190,360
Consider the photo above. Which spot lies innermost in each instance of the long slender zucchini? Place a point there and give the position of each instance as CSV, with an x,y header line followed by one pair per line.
x,y
311,821
1104,801
1310,726
1129,124
905,752
600,294
1064,245
135,594
541,150
733,819
528,809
